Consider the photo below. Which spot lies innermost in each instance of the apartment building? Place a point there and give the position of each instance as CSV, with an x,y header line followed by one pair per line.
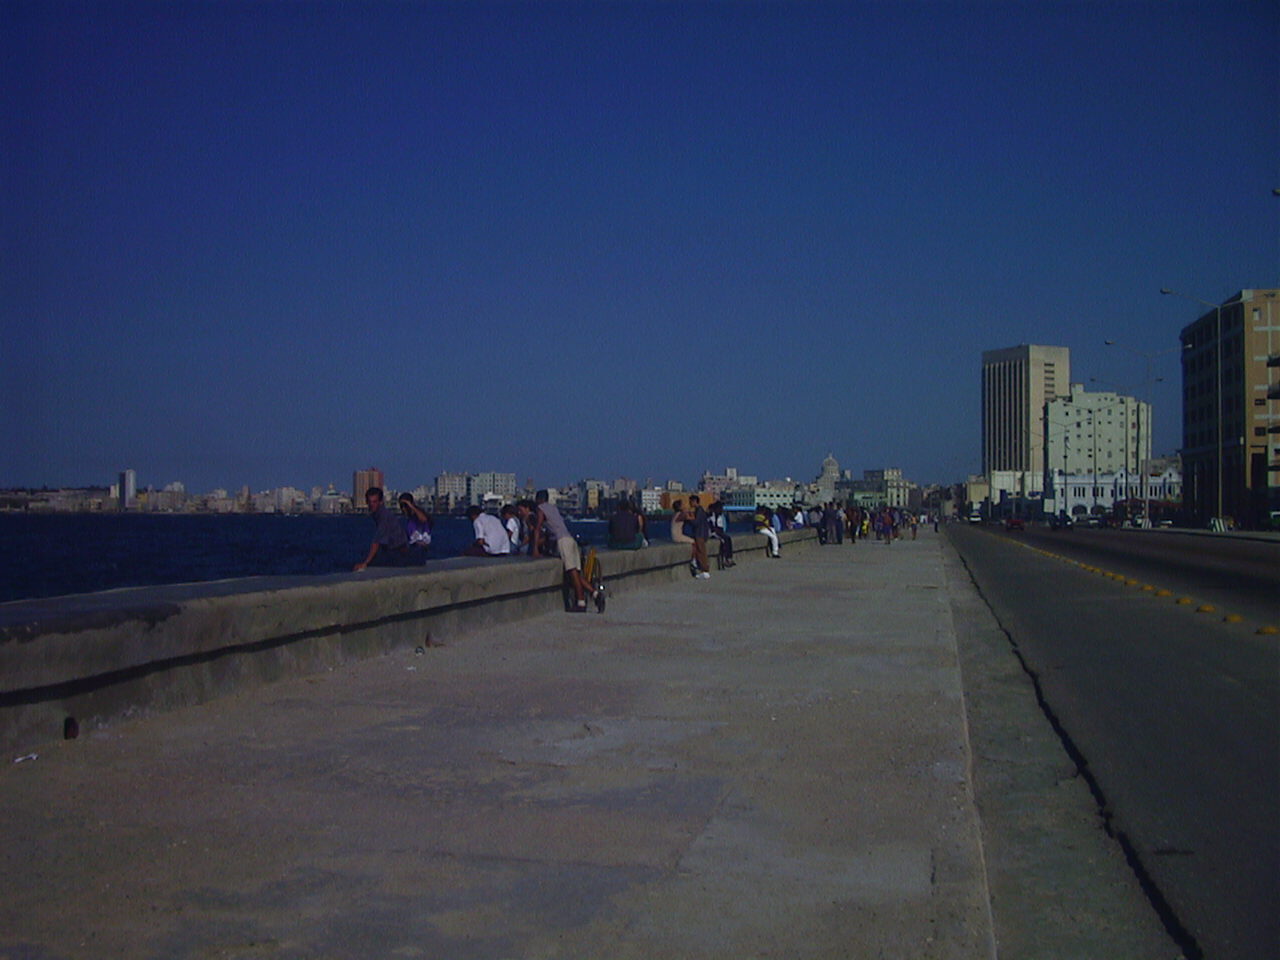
x,y
1231,409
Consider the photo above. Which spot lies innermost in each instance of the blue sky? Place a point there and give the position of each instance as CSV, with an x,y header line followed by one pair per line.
x,y
270,243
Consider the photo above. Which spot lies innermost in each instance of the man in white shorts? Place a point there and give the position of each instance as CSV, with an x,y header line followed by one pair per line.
x,y
549,516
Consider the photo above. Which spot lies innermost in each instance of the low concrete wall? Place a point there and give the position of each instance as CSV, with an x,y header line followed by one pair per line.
x,y
122,653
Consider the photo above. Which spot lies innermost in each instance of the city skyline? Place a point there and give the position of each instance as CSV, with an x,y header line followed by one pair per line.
x,y
249,244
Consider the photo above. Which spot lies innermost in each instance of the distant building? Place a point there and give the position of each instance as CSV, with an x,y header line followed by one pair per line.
x,y
490,487
716,484
651,499
128,490
1093,434
451,490
824,484
362,481
1084,494
1017,382
877,488
774,494
1231,409
591,494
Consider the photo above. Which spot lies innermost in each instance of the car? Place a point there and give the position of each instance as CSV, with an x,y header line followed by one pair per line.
x,y
1014,523
975,518
1061,522
1092,521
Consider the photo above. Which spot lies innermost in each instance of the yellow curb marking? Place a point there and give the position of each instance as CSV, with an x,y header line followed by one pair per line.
x,y
1148,588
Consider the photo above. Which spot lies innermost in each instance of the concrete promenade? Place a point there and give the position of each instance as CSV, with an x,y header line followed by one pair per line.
x,y
795,758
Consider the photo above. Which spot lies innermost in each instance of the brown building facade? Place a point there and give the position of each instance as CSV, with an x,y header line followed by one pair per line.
x,y
1231,410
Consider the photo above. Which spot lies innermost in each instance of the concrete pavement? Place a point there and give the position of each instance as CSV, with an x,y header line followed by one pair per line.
x,y
777,762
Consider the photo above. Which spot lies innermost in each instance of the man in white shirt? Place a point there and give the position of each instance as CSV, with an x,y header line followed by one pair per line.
x,y
491,537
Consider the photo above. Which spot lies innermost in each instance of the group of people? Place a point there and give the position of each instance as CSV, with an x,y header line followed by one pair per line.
x,y
533,527
695,525
397,541
833,523
536,528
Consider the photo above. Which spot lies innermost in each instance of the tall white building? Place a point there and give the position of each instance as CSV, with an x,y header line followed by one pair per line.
x,y
1100,432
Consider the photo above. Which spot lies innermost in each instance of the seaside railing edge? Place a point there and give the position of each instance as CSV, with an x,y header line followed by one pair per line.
x,y
69,665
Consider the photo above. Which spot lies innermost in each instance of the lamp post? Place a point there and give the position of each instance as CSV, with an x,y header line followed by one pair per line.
x,y
1217,335
1148,385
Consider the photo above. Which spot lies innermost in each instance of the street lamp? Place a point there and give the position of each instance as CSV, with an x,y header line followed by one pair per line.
x,y
1217,309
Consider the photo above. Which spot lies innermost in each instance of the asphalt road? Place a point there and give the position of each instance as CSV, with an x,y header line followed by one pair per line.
x,y
1174,713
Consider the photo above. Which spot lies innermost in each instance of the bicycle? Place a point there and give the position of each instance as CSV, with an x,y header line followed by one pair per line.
x,y
593,573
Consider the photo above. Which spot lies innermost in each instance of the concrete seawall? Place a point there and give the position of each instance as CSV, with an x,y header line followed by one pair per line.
x,y
95,658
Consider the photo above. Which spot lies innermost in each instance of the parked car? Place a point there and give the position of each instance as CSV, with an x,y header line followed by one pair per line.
x,y
1061,522
1014,523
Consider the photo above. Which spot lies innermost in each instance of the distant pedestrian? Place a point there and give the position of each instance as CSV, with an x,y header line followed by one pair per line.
x,y
829,534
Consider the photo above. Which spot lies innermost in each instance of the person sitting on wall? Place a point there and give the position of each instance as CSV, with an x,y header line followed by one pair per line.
x,y
492,539
417,524
761,521
390,546
681,523
720,530
624,528
515,528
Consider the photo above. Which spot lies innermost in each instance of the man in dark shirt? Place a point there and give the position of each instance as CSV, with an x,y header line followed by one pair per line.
x,y
390,547
701,531
624,528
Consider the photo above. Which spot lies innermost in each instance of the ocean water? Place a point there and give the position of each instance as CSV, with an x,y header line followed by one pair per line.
x,y
49,555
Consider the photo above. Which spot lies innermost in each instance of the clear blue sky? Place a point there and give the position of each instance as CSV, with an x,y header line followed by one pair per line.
x,y
270,243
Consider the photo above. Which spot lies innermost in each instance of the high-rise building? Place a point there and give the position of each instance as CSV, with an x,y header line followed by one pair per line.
x,y
1231,409
361,482
128,490
1016,384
